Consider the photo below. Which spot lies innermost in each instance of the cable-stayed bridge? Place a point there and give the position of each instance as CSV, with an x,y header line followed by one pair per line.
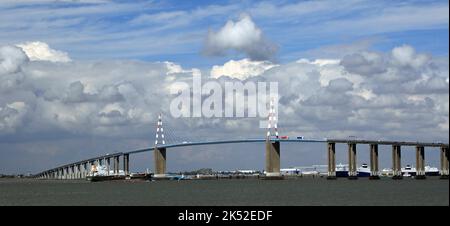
x,y
167,139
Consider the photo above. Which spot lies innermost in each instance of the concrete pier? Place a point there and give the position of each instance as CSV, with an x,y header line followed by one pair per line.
x,y
273,160
90,163
160,163
126,164
116,165
85,171
108,165
74,172
444,162
331,161
397,162
420,162
352,168
80,172
69,173
374,167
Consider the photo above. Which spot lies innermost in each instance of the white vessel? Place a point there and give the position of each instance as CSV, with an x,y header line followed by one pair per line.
x,y
409,171
342,170
431,171
101,173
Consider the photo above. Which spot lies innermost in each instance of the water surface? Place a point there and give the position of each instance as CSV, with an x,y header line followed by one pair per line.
x,y
304,191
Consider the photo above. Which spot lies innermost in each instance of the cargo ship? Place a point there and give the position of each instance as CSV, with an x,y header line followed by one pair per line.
x,y
101,173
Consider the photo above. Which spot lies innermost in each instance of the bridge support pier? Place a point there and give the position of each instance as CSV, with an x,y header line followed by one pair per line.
x,y
75,172
69,172
80,168
444,163
116,165
331,161
126,164
352,168
273,160
84,167
84,174
79,172
397,162
108,165
420,162
160,163
374,168
90,167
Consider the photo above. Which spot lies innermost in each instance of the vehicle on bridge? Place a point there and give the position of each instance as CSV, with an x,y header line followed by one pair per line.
x,y
300,138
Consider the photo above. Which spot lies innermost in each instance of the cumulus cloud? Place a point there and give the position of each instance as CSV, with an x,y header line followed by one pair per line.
x,y
12,116
241,69
364,63
405,55
402,70
383,96
118,97
10,59
242,36
41,51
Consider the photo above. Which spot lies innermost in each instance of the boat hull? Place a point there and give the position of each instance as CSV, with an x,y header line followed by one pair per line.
x,y
104,178
345,174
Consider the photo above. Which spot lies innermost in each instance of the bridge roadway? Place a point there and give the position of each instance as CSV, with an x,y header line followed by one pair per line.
x,y
272,155
183,144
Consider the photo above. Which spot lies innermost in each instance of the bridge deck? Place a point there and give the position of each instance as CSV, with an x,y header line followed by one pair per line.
x,y
185,144
380,142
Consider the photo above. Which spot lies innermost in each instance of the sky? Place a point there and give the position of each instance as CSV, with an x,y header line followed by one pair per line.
x,y
83,78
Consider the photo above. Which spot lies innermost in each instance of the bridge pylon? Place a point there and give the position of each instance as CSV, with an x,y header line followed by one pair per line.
x,y
159,154
272,147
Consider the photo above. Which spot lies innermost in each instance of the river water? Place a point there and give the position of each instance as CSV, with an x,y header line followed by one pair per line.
x,y
298,192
